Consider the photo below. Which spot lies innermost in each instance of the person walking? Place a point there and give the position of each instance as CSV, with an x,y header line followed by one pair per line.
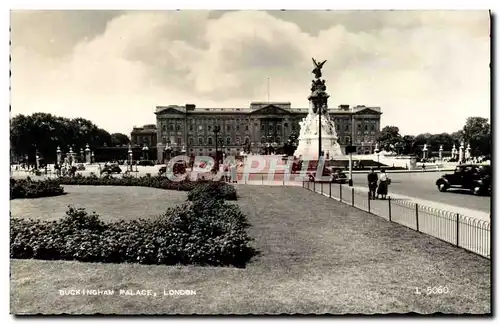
x,y
372,183
383,183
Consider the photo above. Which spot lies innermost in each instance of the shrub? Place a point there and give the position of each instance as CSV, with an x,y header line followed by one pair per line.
x,y
212,190
26,188
187,234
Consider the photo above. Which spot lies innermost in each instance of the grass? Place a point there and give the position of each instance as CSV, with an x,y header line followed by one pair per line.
x,y
316,256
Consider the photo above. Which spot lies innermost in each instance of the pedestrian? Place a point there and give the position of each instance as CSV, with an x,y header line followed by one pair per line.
x,y
423,167
372,183
383,183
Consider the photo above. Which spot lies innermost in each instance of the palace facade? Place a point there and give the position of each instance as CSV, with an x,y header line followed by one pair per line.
x,y
191,130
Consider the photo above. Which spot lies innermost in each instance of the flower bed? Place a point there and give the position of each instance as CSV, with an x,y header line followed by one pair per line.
x,y
208,232
26,188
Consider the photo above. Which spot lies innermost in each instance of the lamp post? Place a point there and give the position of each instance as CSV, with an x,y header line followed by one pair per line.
x,y
130,156
424,151
92,158
216,132
441,153
467,152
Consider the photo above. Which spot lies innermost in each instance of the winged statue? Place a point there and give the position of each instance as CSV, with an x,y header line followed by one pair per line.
x,y
317,68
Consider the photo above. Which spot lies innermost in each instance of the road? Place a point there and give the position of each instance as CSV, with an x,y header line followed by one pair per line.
x,y
422,185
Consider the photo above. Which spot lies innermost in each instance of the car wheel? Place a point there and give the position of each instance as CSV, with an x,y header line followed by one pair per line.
x,y
477,190
442,187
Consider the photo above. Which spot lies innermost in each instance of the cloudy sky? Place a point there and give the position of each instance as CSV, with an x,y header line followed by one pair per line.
x,y
427,70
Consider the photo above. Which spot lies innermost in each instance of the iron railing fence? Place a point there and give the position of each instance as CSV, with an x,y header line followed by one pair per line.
x,y
463,231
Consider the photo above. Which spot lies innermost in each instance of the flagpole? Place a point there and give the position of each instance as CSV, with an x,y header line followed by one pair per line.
x,y
268,89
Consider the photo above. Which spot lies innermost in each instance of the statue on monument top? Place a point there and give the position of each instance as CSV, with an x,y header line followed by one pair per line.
x,y
317,68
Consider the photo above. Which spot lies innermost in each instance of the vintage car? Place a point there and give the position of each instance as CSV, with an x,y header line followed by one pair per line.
x,y
473,177
178,168
113,168
338,176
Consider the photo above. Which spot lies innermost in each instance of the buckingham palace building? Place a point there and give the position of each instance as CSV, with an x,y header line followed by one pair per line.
x,y
190,130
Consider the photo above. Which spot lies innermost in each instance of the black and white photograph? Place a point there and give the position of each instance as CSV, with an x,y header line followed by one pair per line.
x,y
250,162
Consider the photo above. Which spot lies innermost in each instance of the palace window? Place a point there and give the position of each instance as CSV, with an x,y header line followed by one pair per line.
x,y
247,140
200,140
178,127
190,127
285,125
293,127
190,141
171,127
278,140
200,127
164,127
278,128
246,127
346,127
262,127
228,140
237,127
359,127
238,140
347,139
228,128
179,140
366,127
209,128
262,139
210,141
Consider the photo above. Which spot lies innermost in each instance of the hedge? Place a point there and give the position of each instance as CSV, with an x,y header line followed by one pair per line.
x,y
217,188
26,188
210,232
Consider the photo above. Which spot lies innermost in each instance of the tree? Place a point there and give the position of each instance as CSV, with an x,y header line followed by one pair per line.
x,y
477,133
408,141
119,139
388,138
42,133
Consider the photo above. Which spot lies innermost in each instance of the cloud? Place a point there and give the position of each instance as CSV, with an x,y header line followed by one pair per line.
x,y
114,67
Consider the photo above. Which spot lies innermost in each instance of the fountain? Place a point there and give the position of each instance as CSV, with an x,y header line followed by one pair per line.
x,y
317,130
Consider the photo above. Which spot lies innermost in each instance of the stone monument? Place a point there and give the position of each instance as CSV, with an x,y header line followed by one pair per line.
x,y
312,136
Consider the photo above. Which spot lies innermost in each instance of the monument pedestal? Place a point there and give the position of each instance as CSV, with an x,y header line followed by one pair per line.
x,y
309,138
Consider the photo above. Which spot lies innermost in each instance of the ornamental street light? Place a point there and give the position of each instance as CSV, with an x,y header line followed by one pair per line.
x,y
130,156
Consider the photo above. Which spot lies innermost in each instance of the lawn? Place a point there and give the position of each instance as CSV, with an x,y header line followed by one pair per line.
x,y
316,256
111,203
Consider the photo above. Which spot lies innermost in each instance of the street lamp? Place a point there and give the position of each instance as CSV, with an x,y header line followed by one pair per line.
x,y
216,132
130,155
